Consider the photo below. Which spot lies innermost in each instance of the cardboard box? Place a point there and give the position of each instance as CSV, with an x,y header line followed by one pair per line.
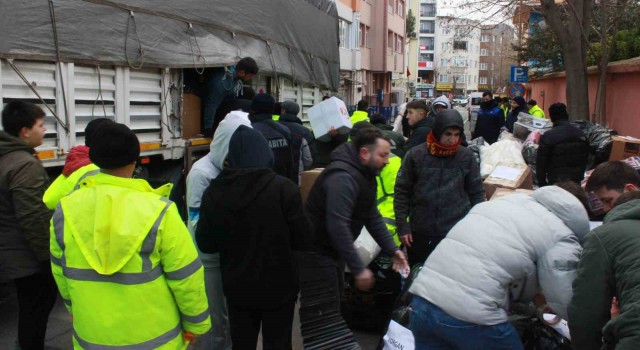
x,y
307,179
624,147
501,192
524,180
326,114
192,120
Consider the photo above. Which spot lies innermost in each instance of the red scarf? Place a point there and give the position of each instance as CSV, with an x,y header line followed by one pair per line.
x,y
439,150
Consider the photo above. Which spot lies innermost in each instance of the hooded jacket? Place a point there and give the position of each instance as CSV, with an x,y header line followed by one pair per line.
x,y
280,141
562,155
24,219
77,167
209,167
254,218
513,115
537,112
506,250
490,121
300,143
610,266
421,129
122,256
341,202
433,193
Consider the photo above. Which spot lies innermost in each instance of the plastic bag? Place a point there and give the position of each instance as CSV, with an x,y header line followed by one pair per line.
x,y
530,155
366,247
507,150
600,141
476,145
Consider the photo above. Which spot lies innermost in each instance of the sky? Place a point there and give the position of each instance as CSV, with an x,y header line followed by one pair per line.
x,y
485,11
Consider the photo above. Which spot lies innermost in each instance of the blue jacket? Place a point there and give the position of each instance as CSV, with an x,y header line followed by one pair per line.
x,y
490,121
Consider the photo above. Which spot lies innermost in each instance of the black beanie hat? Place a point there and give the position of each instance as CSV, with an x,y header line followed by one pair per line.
x,y
448,118
357,127
520,101
263,103
92,127
248,149
114,146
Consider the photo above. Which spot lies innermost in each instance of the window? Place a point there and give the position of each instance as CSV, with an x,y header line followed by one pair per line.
x,y
445,31
390,40
361,35
399,44
343,27
426,44
483,66
459,78
460,45
444,62
483,52
427,27
443,78
446,46
484,39
460,61
391,6
460,33
400,8
367,37
483,80
425,57
427,10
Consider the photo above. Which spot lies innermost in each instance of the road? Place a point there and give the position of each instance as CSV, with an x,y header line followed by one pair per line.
x,y
59,329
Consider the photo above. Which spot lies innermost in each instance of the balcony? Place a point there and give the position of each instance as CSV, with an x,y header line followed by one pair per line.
x,y
427,13
427,31
426,47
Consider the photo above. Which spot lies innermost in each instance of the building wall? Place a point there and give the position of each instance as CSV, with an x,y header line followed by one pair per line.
x,y
623,80
452,62
498,58
425,53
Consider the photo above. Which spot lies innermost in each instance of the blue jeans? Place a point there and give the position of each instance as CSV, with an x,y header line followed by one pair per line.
x,y
434,329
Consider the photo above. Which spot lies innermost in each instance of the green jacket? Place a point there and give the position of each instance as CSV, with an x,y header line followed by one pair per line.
x,y
610,266
386,184
63,185
537,112
126,267
359,116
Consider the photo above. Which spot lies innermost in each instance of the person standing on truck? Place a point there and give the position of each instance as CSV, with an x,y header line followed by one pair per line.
x,y
277,134
24,221
221,83
437,185
362,114
125,263
77,167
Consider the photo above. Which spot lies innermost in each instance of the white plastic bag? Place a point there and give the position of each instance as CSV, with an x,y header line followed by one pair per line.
x,y
507,150
398,337
366,247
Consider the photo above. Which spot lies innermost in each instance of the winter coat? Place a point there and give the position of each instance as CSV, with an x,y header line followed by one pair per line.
x,y
396,138
537,112
255,219
359,116
323,150
208,168
562,155
24,219
513,117
280,141
419,132
433,193
341,202
77,167
300,139
609,267
506,250
490,122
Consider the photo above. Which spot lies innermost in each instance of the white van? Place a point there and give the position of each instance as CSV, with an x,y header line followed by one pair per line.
x,y
473,105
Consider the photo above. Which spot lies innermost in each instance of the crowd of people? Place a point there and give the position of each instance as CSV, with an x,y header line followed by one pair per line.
x,y
133,275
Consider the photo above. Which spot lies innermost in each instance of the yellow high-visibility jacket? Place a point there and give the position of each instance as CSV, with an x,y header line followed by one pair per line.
x,y
126,267
386,184
359,116
63,185
537,112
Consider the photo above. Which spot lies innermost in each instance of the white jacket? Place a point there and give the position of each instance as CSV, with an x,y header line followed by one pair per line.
x,y
507,250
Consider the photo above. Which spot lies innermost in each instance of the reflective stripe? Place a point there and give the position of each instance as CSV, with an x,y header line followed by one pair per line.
x,y
382,199
118,277
186,271
66,301
91,173
195,319
149,344
149,242
58,226
55,260
389,221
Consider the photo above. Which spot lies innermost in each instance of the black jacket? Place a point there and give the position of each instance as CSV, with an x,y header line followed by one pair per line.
x,y
433,193
24,218
490,120
298,133
513,117
280,142
419,133
323,150
562,155
341,202
254,218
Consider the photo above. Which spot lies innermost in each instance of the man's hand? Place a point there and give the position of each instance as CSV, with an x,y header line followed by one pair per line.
x,y
406,240
365,280
190,337
400,262
333,132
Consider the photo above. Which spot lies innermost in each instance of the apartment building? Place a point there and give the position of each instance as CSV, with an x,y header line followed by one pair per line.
x,y
496,57
457,55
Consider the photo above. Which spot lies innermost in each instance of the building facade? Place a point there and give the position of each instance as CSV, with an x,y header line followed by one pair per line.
x,y
372,51
496,57
457,55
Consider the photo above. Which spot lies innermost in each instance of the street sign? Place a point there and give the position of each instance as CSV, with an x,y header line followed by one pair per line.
x,y
516,89
519,74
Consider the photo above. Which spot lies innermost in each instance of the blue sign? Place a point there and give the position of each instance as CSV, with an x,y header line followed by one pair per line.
x,y
519,74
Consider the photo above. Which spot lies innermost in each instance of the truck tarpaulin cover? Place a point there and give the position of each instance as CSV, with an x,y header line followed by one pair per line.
x,y
296,38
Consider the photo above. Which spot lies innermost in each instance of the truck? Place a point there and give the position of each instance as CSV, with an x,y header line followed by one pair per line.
x,y
128,61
